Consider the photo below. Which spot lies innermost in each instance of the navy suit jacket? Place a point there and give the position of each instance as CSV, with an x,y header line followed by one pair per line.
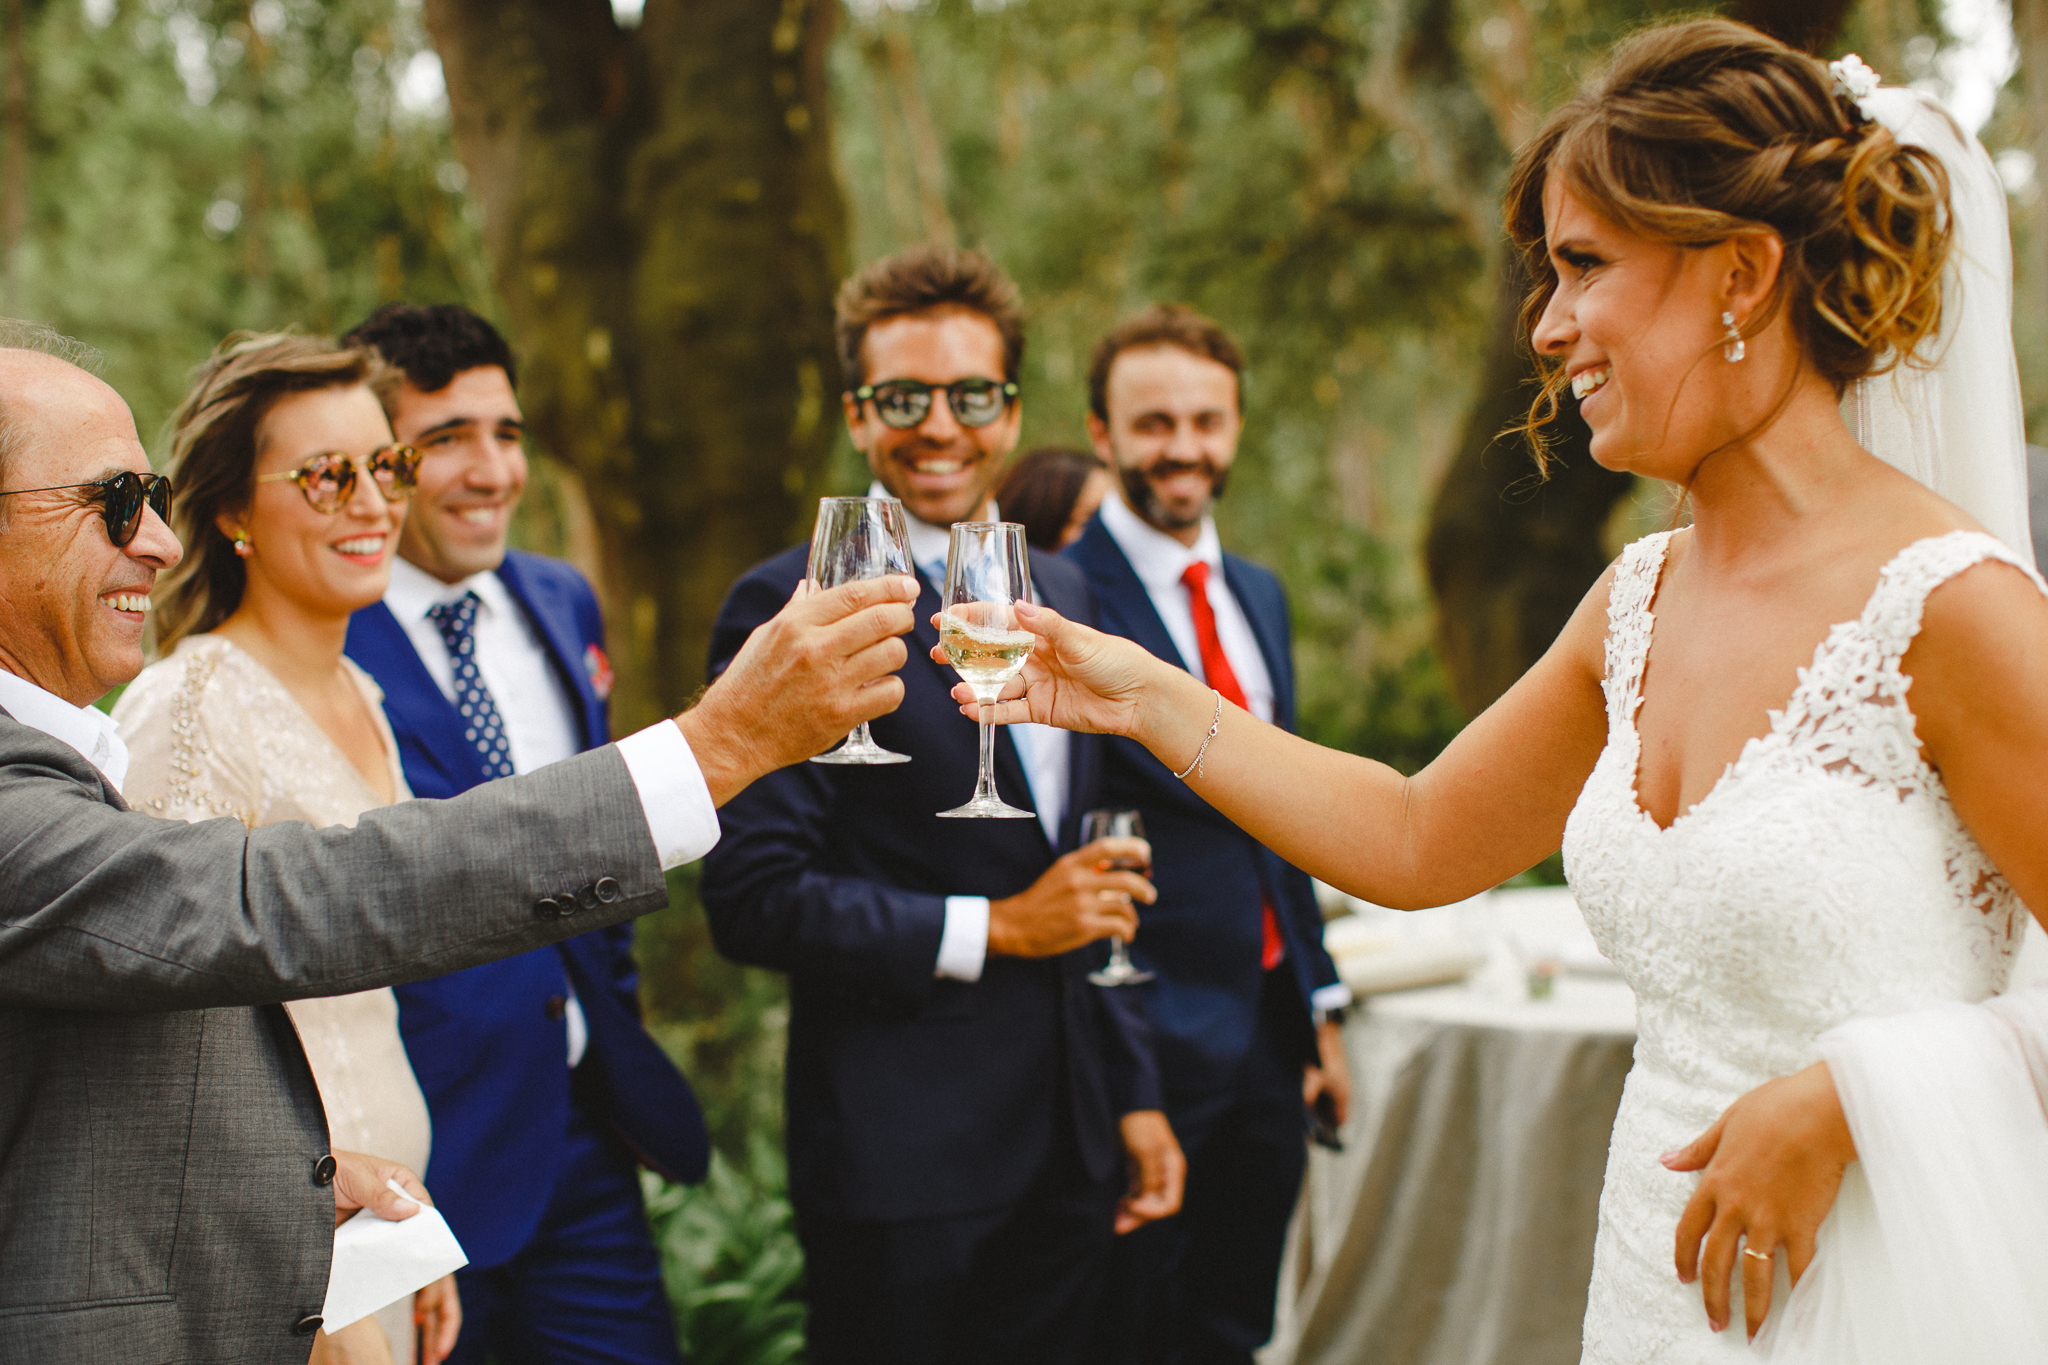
x,y
911,1096
489,1045
1203,936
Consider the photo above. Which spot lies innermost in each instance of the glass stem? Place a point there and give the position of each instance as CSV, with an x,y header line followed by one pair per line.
x,y
1119,958
857,738
985,785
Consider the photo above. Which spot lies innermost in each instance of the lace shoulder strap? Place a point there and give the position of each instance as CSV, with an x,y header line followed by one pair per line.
x,y
1891,618
1629,623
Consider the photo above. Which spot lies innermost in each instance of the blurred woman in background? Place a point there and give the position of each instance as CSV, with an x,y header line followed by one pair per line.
x,y
1053,491
292,493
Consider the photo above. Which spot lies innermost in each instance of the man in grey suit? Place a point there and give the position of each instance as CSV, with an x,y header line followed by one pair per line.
x,y
166,1188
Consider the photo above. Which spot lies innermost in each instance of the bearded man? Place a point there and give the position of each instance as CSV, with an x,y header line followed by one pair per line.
x,y
1245,1004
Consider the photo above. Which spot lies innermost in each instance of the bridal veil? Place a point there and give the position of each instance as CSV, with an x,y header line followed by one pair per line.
x,y
1957,425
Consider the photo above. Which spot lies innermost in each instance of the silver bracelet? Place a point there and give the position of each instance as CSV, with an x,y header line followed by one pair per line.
x,y
1217,721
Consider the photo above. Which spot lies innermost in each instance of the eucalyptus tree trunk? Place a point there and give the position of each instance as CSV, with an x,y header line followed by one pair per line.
x,y
1511,553
665,233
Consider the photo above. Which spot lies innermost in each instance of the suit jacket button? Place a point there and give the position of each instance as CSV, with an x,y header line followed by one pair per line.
x,y
323,1170
306,1326
607,889
557,1006
547,908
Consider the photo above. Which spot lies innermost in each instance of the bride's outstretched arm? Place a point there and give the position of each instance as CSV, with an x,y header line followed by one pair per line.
x,y
1492,805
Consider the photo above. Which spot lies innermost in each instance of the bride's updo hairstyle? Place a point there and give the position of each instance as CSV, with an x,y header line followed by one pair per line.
x,y
1699,130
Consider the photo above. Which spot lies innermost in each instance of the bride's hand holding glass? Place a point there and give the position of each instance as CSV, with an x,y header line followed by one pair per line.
x,y
1081,679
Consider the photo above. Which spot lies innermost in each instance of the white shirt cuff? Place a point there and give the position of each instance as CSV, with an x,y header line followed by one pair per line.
x,y
1335,996
963,945
680,813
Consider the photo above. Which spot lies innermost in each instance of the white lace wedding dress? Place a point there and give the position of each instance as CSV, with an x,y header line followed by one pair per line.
x,y
1824,878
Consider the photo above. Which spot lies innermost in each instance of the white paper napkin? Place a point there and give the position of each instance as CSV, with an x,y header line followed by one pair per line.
x,y
378,1262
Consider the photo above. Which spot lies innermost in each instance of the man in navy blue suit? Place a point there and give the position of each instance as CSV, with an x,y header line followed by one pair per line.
x,y
546,1093
1245,1004
962,1101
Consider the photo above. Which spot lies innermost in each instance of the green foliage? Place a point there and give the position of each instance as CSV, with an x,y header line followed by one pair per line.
x,y
1323,176
1320,175
730,1261
198,166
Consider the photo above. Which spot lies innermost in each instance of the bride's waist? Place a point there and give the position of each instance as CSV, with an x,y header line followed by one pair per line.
x,y
1661,1111
1714,1072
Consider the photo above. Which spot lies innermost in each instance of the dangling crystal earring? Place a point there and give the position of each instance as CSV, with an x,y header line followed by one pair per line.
x,y
243,549
1733,348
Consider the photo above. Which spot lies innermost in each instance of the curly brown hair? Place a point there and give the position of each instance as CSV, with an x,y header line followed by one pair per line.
x,y
926,279
213,461
1699,130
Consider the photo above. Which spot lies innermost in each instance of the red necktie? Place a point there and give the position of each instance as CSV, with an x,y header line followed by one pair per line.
x,y
1216,668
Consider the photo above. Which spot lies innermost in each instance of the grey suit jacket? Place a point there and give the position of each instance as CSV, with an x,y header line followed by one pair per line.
x,y
160,1133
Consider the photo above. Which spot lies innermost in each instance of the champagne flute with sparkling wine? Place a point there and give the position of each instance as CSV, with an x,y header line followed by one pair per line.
x,y
859,538
1116,824
987,574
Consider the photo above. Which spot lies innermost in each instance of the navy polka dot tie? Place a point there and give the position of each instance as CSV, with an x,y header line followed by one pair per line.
x,y
482,726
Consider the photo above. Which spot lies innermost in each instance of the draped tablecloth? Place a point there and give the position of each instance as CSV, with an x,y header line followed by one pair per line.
x,y
1457,1226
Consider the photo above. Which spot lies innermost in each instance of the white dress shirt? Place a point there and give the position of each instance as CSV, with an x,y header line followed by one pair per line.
x,y
1159,561
1042,749
539,715
87,729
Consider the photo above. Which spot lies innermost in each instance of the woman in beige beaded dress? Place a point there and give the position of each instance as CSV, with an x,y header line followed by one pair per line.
x,y
291,496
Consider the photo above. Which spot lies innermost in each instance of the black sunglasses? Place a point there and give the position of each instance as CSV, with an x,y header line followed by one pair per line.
x,y
121,500
903,403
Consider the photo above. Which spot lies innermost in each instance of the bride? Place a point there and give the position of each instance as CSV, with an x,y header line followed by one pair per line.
x,y
1794,753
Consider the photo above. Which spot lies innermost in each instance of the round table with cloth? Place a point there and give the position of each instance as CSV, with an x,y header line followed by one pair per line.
x,y
1456,1228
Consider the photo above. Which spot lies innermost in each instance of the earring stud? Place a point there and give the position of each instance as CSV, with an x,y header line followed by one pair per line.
x,y
1733,348
243,549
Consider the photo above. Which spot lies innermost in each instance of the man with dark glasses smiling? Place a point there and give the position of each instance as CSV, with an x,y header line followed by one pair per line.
x,y
167,1191
1009,1124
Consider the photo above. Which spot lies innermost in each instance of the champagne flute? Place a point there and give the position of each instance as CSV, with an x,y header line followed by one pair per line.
x,y
1116,824
987,574
858,538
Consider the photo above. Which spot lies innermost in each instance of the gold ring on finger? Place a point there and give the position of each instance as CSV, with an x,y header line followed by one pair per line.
x,y
1760,1255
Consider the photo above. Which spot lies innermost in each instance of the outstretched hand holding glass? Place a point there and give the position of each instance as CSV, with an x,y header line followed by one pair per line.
x,y
858,538
987,575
